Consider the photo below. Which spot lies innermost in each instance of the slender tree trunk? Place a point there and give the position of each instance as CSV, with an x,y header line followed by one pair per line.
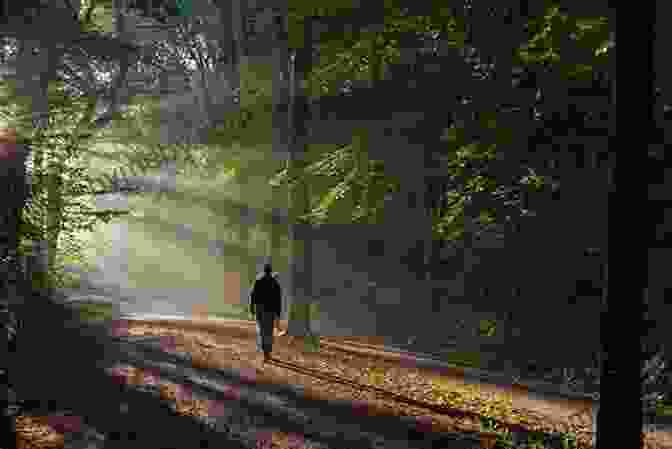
x,y
361,141
204,89
119,92
275,229
428,241
299,201
280,96
244,225
204,93
234,46
237,39
232,42
281,147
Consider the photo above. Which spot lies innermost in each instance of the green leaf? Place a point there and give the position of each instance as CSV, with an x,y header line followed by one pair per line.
x,y
184,7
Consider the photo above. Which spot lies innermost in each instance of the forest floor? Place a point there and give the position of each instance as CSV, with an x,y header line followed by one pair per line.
x,y
423,401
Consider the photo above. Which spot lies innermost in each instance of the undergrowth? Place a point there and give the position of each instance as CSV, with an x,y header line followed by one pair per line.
x,y
492,410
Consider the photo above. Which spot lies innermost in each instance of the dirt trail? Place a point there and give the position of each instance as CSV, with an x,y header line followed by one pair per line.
x,y
563,410
551,408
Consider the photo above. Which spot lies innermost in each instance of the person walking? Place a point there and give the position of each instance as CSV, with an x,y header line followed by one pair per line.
x,y
266,303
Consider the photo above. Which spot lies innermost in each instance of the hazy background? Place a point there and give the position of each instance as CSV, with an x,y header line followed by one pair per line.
x,y
195,246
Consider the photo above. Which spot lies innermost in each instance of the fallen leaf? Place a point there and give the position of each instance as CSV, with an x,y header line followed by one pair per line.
x,y
231,392
360,408
264,440
65,423
423,423
216,408
248,374
119,328
183,393
295,441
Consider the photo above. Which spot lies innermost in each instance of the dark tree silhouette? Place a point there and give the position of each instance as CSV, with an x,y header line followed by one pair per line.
x,y
15,192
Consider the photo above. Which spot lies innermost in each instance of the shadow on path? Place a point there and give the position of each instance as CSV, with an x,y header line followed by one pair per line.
x,y
332,423
59,364
288,406
61,359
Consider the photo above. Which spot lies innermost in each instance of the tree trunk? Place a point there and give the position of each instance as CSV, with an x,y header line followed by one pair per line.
x,y
299,201
620,417
361,141
13,183
281,131
229,37
45,62
235,37
119,91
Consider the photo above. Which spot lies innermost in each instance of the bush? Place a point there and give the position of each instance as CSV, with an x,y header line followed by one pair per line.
x,y
487,328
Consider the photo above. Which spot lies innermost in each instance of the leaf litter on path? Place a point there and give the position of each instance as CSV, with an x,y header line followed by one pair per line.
x,y
366,371
218,350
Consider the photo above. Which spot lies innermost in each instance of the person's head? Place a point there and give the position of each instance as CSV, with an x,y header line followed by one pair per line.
x,y
267,268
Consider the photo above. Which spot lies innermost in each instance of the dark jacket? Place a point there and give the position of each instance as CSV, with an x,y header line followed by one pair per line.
x,y
267,291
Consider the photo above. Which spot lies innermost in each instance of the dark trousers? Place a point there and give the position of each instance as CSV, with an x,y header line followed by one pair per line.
x,y
265,325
